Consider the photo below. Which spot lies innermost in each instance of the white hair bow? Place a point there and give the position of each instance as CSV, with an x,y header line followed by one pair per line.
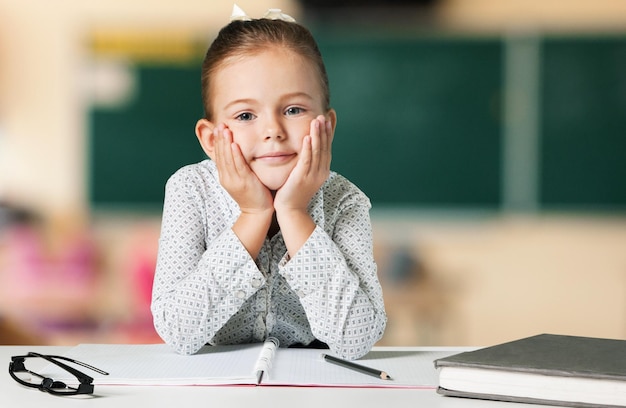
x,y
272,14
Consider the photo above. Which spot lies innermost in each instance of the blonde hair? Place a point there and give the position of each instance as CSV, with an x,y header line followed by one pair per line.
x,y
243,38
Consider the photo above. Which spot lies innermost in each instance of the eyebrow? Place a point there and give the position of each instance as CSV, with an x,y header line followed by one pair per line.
x,y
237,101
298,94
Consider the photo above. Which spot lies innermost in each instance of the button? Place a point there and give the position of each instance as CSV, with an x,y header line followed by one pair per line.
x,y
300,293
256,282
240,294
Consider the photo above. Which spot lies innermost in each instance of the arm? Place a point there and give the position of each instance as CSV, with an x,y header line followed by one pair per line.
x,y
253,198
335,275
194,293
309,174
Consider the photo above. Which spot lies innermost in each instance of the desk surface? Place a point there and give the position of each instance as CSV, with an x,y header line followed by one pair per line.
x,y
12,394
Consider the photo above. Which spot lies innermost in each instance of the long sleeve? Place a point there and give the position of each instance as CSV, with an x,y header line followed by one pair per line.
x,y
204,274
335,276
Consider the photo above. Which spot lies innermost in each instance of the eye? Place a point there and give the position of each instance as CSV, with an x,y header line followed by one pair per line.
x,y
293,110
245,116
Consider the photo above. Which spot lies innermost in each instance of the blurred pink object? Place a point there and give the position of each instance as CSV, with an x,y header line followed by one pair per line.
x,y
40,283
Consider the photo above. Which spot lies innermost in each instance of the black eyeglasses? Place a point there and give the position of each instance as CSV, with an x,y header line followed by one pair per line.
x,y
24,376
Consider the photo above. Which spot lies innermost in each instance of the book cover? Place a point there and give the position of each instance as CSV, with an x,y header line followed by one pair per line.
x,y
547,368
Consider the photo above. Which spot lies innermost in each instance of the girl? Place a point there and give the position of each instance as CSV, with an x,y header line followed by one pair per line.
x,y
263,239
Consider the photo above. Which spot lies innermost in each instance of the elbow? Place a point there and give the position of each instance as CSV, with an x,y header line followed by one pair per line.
x,y
173,335
357,345
178,343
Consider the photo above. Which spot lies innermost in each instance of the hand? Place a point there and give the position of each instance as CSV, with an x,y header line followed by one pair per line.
x,y
311,170
237,177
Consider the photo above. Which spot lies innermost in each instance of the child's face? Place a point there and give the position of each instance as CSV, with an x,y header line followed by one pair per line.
x,y
268,101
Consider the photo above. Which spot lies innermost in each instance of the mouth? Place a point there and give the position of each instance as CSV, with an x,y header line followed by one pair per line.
x,y
275,157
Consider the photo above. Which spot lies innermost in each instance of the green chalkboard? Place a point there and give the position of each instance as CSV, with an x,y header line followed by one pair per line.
x,y
418,119
420,122
583,134
134,149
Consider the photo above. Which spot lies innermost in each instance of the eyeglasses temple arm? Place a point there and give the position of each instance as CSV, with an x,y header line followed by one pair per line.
x,y
51,358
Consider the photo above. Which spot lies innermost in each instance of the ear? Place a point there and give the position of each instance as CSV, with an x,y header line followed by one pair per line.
x,y
204,133
332,116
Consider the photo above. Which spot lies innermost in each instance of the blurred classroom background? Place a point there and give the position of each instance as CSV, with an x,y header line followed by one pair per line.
x,y
489,134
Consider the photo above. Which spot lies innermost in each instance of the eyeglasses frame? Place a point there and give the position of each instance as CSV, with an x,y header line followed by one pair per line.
x,y
85,385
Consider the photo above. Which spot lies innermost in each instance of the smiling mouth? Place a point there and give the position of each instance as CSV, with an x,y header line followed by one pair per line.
x,y
276,157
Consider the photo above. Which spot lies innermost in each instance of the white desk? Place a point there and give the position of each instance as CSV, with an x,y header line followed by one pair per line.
x,y
14,395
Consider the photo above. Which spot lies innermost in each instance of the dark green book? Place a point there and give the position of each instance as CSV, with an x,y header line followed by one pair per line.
x,y
546,369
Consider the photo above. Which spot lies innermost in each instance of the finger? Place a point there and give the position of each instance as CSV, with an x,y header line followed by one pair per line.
x,y
325,142
224,144
323,132
325,138
328,144
303,166
315,136
218,147
329,134
239,162
225,164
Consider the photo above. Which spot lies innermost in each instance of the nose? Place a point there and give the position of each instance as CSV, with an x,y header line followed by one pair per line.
x,y
274,129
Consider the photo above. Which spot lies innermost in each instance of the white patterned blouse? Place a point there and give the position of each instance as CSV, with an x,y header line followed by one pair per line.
x,y
208,289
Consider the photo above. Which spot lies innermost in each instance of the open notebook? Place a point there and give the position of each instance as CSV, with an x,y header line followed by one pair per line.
x,y
157,364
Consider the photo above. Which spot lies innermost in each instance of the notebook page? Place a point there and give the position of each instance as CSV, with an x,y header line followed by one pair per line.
x,y
158,364
305,367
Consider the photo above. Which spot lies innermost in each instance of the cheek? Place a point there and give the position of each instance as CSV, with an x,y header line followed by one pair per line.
x,y
245,141
297,133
